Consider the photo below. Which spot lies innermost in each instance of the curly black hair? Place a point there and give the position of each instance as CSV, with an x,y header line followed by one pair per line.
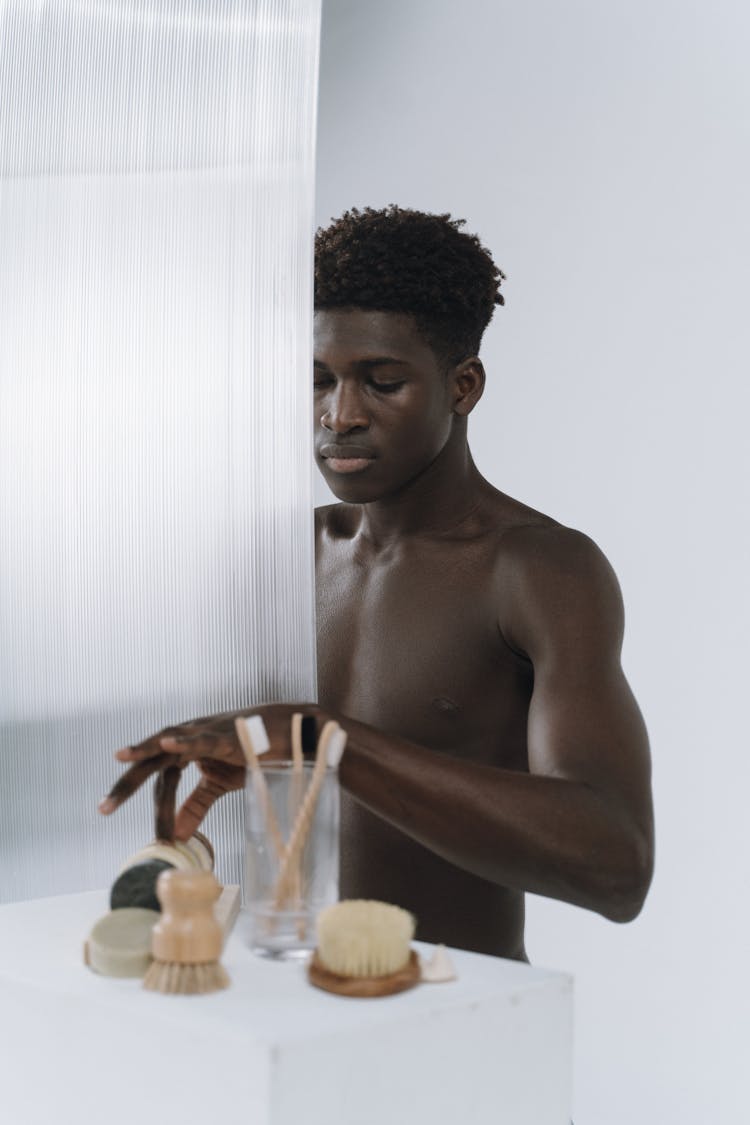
x,y
399,260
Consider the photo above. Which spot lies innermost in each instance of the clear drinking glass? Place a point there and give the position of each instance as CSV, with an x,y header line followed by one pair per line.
x,y
292,859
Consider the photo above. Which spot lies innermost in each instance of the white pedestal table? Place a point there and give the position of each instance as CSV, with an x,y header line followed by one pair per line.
x,y
491,1048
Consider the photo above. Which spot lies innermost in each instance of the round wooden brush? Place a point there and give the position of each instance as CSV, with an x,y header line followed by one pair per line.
x,y
364,949
186,943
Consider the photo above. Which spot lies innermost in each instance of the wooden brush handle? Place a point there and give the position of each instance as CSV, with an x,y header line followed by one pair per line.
x,y
187,932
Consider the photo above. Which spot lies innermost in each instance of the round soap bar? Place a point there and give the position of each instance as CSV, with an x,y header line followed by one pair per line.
x,y
201,846
136,885
190,856
119,944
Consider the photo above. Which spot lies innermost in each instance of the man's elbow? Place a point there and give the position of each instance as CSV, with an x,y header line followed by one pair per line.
x,y
628,881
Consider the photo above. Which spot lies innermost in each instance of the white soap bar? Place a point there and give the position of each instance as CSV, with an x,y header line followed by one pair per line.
x,y
439,968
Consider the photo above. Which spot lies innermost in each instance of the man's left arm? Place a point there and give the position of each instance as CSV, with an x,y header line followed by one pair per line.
x,y
578,826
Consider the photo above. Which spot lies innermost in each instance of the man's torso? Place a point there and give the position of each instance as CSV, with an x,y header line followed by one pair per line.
x,y
409,641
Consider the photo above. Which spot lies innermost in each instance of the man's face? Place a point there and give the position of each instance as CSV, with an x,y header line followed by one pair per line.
x,y
382,402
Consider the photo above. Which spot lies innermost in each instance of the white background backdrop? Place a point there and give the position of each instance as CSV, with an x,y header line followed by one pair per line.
x,y
602,152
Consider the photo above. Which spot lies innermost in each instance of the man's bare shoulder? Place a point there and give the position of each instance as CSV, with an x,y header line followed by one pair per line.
x,y
547,547
548,574
545,543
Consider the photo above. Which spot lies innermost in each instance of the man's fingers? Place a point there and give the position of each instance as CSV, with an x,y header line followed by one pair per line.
x,y
185,743
131,780
205,744
136,753
195,807
150,747
164,794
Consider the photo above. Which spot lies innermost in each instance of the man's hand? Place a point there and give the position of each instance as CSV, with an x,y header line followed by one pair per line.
x,y
212,744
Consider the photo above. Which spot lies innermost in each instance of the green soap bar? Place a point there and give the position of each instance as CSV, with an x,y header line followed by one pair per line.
x,y
119,944
136,885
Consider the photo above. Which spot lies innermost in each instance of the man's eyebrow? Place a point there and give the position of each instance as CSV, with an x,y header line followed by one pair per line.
x,y
381,361
369,361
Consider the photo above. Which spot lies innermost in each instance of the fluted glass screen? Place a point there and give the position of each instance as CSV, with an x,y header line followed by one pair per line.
x,y
156,548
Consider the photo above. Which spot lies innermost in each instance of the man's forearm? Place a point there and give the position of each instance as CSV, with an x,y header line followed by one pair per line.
x,y
546,835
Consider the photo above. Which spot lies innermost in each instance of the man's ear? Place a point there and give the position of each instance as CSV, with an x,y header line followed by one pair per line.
x,y
467,380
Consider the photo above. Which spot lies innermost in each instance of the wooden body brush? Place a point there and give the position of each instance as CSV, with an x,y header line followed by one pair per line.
x,y
364,949
186,943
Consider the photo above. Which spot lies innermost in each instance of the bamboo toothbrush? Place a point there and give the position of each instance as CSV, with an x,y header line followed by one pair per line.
x,y
328,755
295,801
297,755
253,738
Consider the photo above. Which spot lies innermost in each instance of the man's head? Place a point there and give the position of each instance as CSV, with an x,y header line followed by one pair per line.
x,y
401,301
425,266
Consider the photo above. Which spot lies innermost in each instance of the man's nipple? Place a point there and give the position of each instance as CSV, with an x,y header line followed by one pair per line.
x,y
445,706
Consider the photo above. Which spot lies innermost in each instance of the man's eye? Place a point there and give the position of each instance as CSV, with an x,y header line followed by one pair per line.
x,y
319,383
386,388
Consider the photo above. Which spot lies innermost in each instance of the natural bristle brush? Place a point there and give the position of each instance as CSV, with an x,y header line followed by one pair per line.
x,y
186,942
364,949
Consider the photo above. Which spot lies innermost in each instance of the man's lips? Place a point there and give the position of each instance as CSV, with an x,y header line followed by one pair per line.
x,y
346,458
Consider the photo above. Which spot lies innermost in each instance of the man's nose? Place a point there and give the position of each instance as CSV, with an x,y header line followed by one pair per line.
x,y
345,410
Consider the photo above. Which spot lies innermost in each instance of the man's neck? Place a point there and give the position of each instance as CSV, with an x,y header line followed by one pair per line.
x,y
435,503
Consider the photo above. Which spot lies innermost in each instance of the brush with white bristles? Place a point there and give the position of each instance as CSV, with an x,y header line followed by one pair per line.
x,y
364,949
187,939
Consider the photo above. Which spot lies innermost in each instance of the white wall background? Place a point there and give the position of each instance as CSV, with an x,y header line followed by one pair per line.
x,y
602,152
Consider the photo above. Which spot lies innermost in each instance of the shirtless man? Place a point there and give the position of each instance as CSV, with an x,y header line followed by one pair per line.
x,y
469,645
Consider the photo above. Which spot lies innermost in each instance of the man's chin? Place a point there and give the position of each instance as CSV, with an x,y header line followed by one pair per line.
x,y
352,488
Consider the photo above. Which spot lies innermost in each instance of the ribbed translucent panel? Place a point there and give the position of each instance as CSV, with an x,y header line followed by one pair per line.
x,y
156,546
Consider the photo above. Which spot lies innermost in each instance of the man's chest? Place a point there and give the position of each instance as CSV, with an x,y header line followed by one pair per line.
x,y
412,647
